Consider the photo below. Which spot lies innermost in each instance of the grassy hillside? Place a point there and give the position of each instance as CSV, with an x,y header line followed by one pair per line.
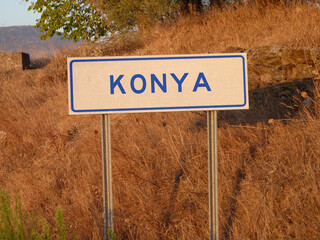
x,y
268,173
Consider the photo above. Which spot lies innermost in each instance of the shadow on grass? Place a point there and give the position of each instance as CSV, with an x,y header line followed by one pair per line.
x,y
38,63
279,102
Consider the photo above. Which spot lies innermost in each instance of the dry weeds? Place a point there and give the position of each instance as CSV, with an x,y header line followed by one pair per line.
x,y
268,174
293,26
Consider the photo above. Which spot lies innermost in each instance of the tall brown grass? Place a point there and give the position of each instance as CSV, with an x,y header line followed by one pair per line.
x,y
246,26
268,173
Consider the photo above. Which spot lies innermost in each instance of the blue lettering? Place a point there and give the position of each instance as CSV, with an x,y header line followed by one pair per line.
x,y
204,84
116,82
113,84
179,81
162,86
144,83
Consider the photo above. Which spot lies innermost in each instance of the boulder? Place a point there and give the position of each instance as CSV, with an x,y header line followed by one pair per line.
x,y
271,65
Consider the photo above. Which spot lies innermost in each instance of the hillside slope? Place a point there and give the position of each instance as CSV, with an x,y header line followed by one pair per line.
x,y
27,39
269,173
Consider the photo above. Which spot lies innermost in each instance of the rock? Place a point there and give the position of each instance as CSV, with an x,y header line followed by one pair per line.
x,y
272,65
235,50
14,61
271,121
304,94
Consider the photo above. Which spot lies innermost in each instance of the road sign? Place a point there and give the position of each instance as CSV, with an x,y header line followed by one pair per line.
x,y
157,83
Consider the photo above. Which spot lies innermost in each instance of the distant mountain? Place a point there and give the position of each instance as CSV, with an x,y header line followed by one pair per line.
x,y
27,39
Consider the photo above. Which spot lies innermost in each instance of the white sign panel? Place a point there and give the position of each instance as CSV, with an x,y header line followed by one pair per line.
x,y
157,83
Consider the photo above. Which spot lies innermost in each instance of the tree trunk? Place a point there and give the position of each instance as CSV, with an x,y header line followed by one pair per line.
x,y
184,7
216,3
196,6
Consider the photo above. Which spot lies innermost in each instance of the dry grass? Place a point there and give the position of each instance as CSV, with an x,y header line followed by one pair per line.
x,y
282,183
246,26
268,174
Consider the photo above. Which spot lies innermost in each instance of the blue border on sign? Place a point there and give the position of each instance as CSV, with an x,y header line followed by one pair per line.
x,y
156,108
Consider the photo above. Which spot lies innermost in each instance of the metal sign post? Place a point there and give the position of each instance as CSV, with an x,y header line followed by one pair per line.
x,y
107,174
213,175
163,83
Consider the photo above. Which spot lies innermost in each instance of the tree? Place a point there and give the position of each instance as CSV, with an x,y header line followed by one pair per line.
x,y
93,19
77,19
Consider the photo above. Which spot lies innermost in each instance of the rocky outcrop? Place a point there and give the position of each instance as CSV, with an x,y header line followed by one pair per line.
x,y
282,82
14,61
280,101
272,65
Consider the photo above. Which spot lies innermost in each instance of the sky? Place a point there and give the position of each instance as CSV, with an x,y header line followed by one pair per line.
x,y
15,13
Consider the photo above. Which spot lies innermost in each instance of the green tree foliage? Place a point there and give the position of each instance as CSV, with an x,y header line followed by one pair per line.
x,y
77,19
93,19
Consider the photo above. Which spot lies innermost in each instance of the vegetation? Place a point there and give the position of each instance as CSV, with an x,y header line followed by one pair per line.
x,y
96,19
91,20
16,225
268,173
77,18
